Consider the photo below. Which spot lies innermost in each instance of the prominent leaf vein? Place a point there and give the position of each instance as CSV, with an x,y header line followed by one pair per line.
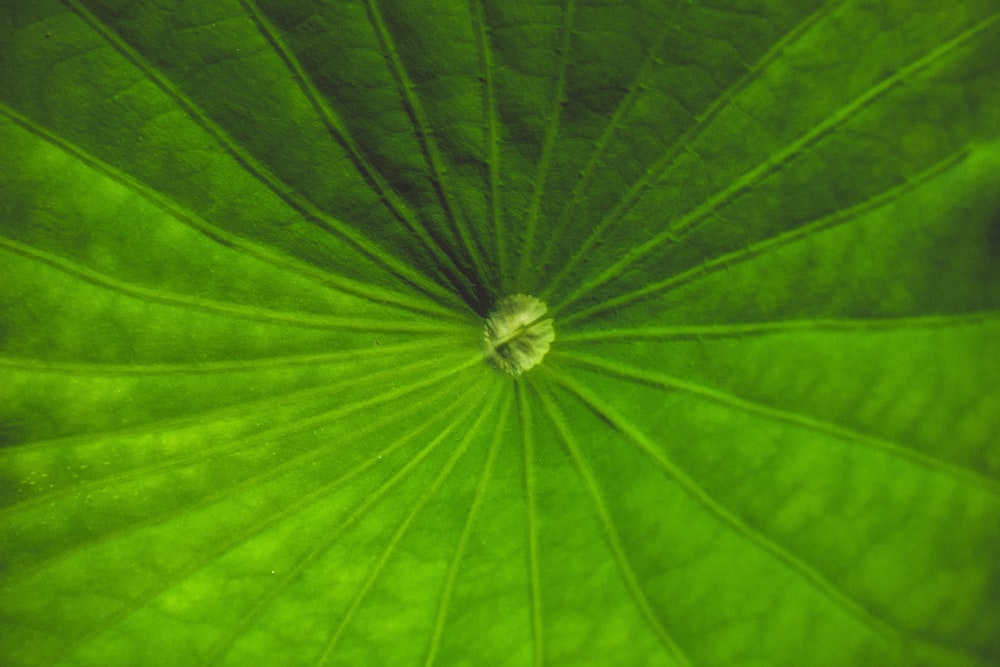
x,y
222,447
218,495
531,524
388,377
722,513
749,329
843,433
373,499
548,143
463,541
773,243
226,309
325,279
427,346
487,65
775,162
288,194
403,527
258,528
422,129
341,135
682,143
611,534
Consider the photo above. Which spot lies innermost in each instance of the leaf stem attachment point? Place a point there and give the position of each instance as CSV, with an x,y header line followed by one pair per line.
x,y
517,333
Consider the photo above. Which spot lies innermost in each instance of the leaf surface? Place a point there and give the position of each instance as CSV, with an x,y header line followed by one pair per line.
x,y
248,247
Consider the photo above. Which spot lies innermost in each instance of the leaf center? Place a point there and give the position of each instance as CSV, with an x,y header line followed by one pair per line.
x,y
517,333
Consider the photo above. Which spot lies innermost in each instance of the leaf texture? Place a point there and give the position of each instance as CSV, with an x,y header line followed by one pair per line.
x,y
246,252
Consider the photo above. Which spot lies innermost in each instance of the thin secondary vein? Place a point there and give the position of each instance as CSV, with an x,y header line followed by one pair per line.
x,y
615,122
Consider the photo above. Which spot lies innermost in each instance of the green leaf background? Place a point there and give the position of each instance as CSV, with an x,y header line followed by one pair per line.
x,y
246,250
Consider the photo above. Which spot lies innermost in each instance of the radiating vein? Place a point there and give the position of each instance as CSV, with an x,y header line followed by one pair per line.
x,y
268,255
463,541
288,194
338,130
611,534
401,530
223,308
681,144
615,122
422,129
333,534
287,511
720,512
775,242
924,460
374,348
433,367
750,329
221,494
291,509
531,523
321,418
298,425
487,65
772,164
548,145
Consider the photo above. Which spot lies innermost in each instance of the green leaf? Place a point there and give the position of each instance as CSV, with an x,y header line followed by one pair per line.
x,y
247,410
